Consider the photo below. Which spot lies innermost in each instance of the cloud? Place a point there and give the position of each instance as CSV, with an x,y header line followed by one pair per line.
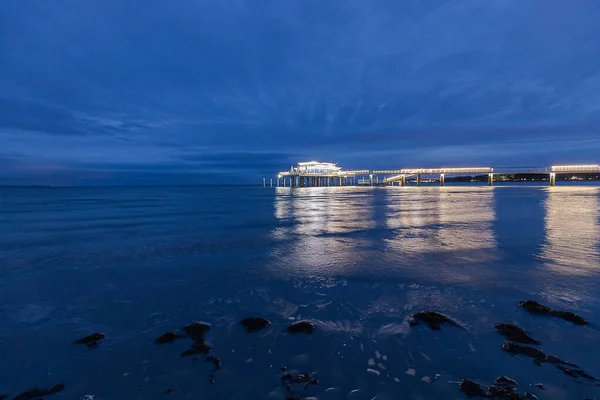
x,y
243,87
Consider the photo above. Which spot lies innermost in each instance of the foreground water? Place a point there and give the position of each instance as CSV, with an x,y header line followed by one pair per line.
x,y
136,262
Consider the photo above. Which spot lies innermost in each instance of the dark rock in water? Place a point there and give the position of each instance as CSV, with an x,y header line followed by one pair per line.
x,y
301,327
505,381
211,379
540,386
36,394
472,389
169,391
92,340
198,347
305,378
197,330
538,355
433,319
255,324
515,333
283,368
293,397
495,392
576,373
215,360
539,309
168,337
3,396
287,377
531,396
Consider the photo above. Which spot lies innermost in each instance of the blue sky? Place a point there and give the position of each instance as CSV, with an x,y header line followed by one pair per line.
x,y
186,91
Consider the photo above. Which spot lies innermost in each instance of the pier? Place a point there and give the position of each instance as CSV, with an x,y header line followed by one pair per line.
x,y
316,174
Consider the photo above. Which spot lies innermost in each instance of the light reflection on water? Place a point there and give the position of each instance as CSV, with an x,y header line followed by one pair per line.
x,y
572,231
442,221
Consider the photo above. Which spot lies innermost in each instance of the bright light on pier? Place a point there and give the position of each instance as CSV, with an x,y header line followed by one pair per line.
x,y
576,168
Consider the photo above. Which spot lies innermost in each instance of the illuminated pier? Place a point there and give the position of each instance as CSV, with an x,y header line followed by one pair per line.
x,y
315,173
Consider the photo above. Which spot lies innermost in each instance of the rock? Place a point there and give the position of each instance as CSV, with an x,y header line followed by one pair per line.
x,y
515,333
505,381
169,391
534,307
538,355
36,394
531,396
215,360
197,330
576,373
3,396
293,397
211,379
198,347
472,389
283,368
92,340
305,378
495,392
168,337
287,377
301,327
540,386
433,319
255,324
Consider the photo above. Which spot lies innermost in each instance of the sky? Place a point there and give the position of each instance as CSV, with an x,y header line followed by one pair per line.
x,y
123,92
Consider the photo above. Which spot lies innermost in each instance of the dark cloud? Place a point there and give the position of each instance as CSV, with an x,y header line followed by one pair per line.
x,y
245,88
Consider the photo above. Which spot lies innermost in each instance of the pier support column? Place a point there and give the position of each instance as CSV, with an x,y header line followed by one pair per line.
x,y
491,179
271,182
402,181
370,180
264,182
418,179
442,179
552,178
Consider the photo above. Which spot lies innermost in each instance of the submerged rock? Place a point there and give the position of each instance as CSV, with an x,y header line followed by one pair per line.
x,y
3,396
472,388
199,347
215,360
538,355
576,373
305,378
534,307
197,330
92,340
36,394
502,389
540,386
515,333
255,324
301,327
168,337
433,319
505,381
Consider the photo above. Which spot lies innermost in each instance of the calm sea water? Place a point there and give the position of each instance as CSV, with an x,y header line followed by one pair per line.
x,y
136,262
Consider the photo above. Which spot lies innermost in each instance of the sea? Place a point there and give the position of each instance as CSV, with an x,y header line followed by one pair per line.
x,y
357,262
